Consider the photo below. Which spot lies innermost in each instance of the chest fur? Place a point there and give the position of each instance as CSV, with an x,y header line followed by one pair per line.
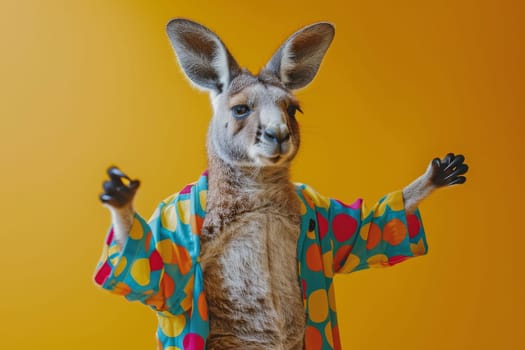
x,y
251,280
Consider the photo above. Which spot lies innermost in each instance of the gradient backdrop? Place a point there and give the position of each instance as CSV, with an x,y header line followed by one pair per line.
x,y
86,84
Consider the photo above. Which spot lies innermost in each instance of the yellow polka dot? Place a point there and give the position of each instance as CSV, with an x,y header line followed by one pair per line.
x,y
168,218
140,271
418,248
319,200
170,199
395,201
114,249
350,264
121,266
187,302
318,306
328,334
172,326
303,207
310,234
165,249
202,199
331,297
328,261
378,260
184,211
172,348
136,230
363,232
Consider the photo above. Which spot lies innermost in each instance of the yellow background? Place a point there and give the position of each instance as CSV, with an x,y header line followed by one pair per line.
x,y
86,84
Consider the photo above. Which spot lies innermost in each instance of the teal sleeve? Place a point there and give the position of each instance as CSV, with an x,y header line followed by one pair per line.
x,y
133,271
381,236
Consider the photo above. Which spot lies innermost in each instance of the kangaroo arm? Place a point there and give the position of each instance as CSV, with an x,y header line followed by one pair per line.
x,y
444,172
418,190
122,220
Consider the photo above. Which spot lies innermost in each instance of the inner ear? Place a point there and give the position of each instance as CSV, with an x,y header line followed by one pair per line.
x,y
203,57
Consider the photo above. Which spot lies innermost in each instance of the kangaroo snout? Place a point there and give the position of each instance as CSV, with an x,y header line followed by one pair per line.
x,y
276,134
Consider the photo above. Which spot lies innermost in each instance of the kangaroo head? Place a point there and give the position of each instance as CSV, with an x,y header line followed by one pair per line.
x,y
254,120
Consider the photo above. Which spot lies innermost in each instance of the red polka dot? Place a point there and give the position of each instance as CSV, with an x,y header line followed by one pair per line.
x,y
323,225
303,283
337,341
155,261
344,227
396,259
341,255
193,341
102,273
413,225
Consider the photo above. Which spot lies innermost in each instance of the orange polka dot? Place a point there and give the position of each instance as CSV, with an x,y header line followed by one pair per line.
x,y
203,307
156,300
394,232
148,241
341,255
182,258
122,289
313,340
168,286
313,258
196,224
374,236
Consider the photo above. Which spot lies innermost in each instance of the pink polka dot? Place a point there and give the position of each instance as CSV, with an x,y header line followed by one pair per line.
x,y
356,205
155,261
110,237
323,225
413,225
186,189
102,273
344,227
193,341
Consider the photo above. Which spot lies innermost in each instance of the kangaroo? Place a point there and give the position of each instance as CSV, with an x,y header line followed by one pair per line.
x,y
257,292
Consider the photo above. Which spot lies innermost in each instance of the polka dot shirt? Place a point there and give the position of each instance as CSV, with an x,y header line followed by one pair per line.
x,y
159,263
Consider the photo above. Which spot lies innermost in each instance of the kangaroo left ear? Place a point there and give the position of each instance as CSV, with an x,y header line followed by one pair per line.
x,y
297,61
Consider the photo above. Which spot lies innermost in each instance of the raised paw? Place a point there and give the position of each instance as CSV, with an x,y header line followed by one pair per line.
x,y
449,170
119,190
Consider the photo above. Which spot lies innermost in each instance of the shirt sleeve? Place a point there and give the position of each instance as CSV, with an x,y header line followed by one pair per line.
x,y
146,267
357,237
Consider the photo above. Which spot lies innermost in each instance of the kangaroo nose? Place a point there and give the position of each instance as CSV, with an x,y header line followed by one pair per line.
x,y
276,134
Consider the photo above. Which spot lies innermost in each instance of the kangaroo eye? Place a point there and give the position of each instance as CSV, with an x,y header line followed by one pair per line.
x,y
241,111
292,109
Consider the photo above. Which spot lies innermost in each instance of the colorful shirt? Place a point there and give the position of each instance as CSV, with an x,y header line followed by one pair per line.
x,y
159,263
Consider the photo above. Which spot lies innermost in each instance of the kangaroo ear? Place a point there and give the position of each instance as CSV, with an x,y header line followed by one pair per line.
x,y
202,55
297,61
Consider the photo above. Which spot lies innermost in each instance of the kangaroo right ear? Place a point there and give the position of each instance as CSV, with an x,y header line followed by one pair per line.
x,y
202,55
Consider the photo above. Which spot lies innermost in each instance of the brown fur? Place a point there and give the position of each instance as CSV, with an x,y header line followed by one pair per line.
x,y
249,264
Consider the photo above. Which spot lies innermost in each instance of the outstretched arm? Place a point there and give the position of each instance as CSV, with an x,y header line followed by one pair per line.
x,y
118,198
440,173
